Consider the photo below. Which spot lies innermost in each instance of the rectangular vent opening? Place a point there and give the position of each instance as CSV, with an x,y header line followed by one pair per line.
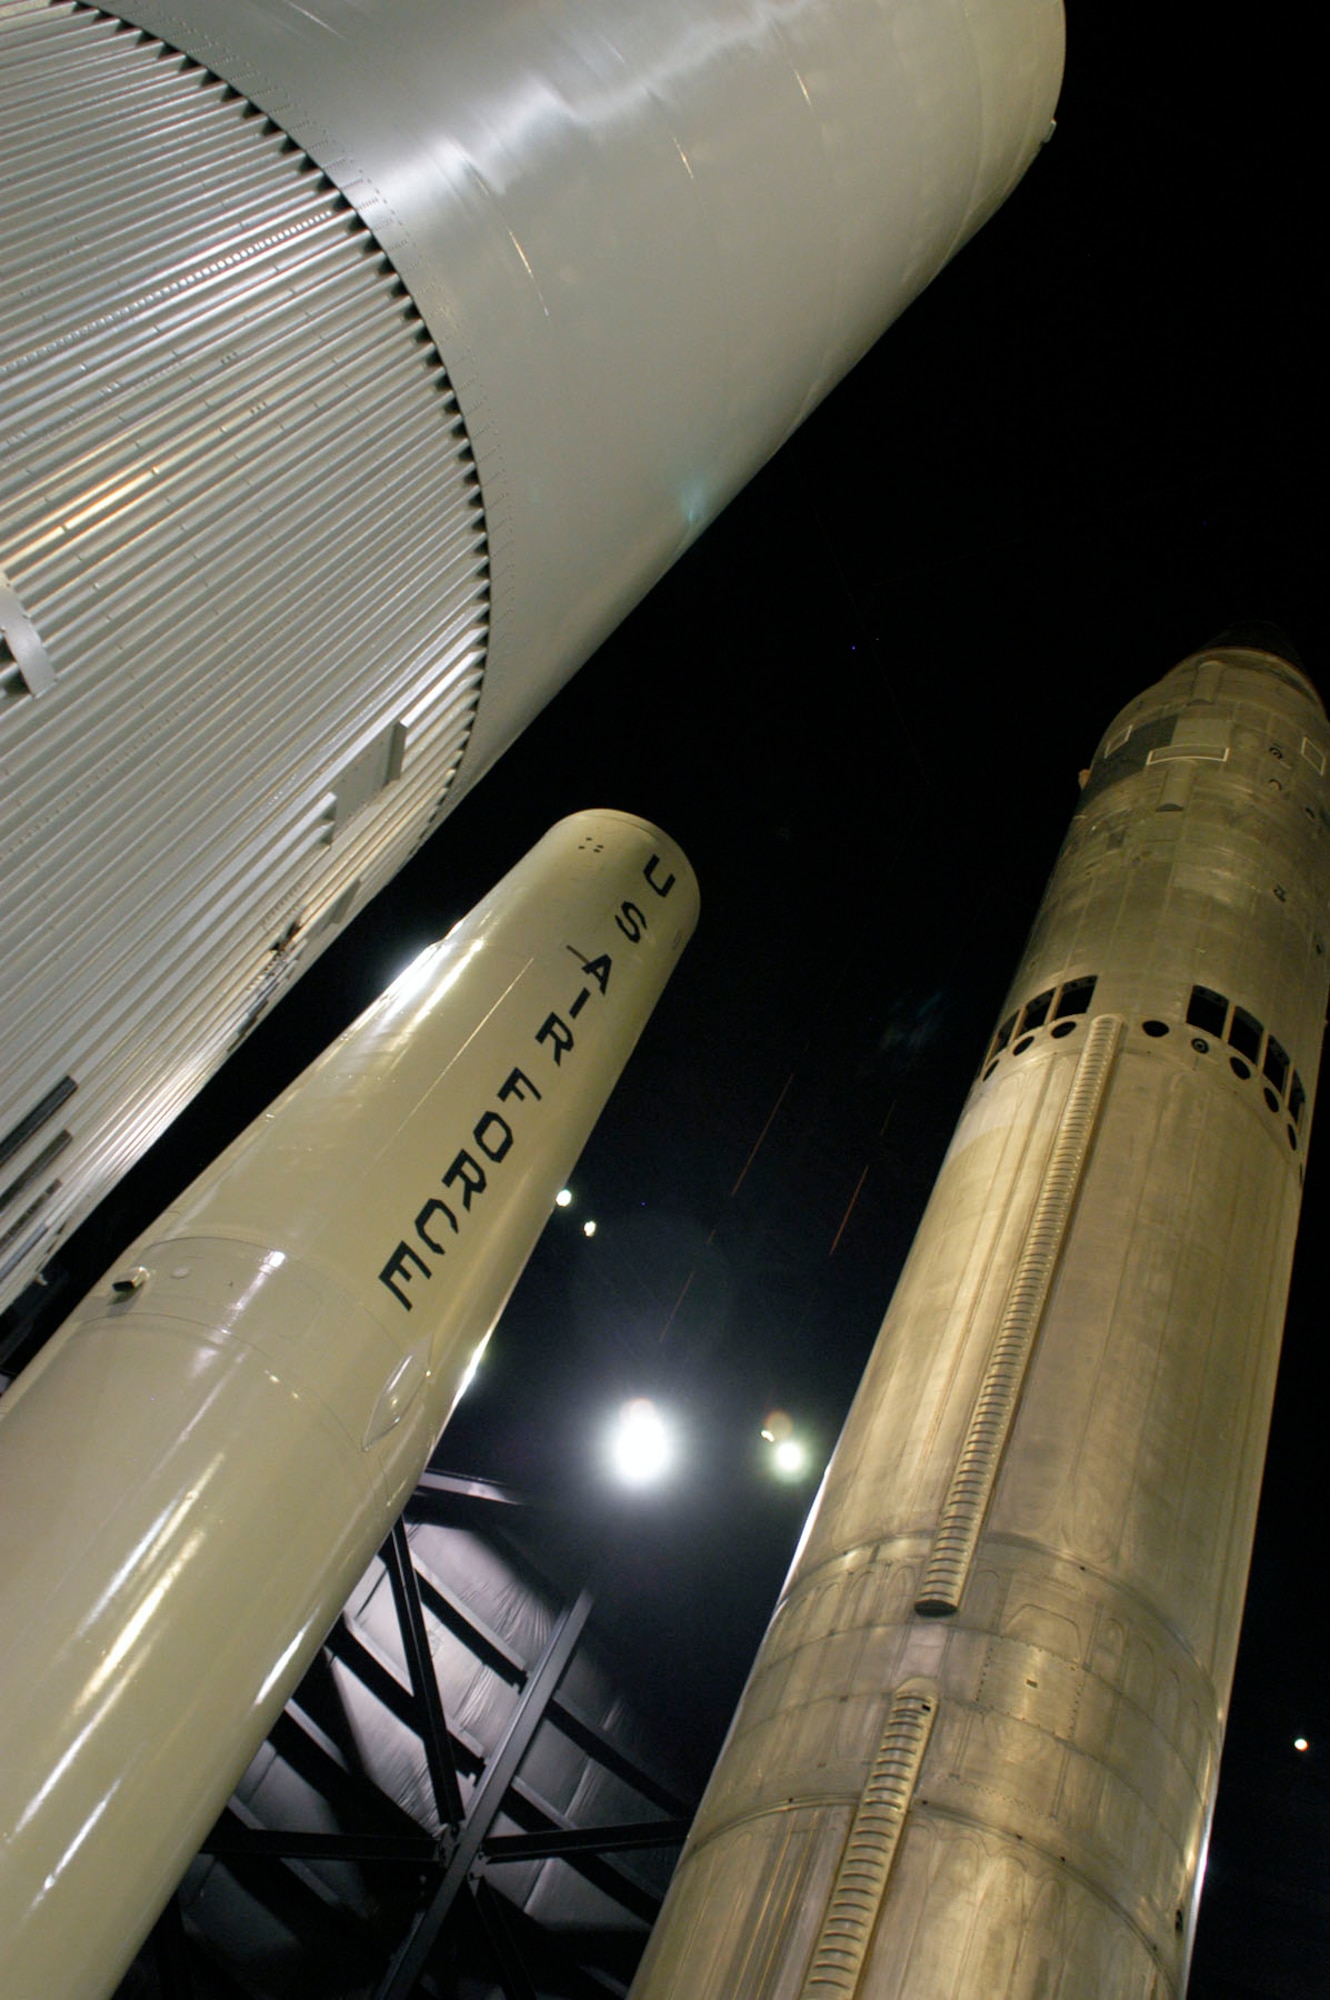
x,y
35,1168
1276,1064
1245,1033
19,1135
13,687
20,1223
1207,1009
1036,1011
1075,996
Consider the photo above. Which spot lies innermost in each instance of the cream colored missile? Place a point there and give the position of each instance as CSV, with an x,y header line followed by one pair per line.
x,y
198,1467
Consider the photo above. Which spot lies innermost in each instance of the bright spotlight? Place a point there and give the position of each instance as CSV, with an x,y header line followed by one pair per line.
x,y
564,1198
1300,1743
641,1448
588,1229
791,1458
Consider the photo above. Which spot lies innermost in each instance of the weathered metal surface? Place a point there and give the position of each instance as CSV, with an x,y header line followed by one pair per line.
x,y
1056,1841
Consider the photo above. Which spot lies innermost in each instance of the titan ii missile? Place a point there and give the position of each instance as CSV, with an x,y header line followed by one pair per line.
x,y
196,1470
978,1751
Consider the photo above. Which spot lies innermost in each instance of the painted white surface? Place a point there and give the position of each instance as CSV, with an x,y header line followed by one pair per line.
x,y
259,523
197,1469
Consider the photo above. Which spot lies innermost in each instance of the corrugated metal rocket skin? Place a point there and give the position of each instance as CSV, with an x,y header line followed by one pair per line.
x,y
196,1470
1023,1577
362,366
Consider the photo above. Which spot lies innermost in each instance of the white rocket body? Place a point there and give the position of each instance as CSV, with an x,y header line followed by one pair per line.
x,y
197,1468
362,366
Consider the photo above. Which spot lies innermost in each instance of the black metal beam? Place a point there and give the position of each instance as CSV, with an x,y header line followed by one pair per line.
x,y
350,1650
356,1800
229,1837
535,1815
321,1696
170,1953
428,1721
410,1959
577,1964
443,1487
488,1647
503,1946
369,1670
331,1933
579,1728
561,1843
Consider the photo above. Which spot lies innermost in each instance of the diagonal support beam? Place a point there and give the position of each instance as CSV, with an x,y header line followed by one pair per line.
x,y
433,1727
412,1955
513,1975
533,1815
447,1495
230,1838
170,1951
579,1728
560,1843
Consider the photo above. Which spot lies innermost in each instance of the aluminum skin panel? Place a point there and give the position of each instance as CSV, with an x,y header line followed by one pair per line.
x,y
198,1468
238,507
1043,1501
594,265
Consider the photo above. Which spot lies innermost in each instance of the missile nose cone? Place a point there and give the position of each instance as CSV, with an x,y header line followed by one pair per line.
x,y
1262,635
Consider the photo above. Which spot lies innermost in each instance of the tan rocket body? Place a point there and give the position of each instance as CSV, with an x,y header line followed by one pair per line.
x,y
978,1751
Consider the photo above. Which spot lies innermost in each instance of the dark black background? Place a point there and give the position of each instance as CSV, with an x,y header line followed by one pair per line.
x,y
861,703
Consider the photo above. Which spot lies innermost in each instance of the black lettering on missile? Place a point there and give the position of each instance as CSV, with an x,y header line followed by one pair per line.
x,y
512,1086
558,1034
396,1267
493,1136
473,1183
432,1208
485,1129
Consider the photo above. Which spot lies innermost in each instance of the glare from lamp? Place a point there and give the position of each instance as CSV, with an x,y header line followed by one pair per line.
x,y
641,1447
564,1198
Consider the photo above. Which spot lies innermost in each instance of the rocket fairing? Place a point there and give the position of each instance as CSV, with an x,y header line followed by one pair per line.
x,y
979,1747
196,1470
363,365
